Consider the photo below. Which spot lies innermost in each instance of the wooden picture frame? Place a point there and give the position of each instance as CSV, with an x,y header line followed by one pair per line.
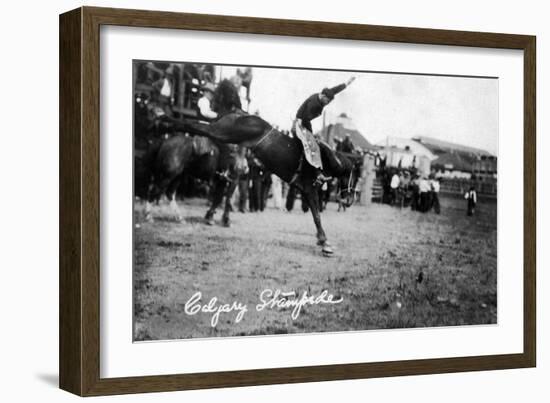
x,y
79,348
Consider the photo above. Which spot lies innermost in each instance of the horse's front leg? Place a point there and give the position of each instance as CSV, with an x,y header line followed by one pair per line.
x,y
226,222
312,197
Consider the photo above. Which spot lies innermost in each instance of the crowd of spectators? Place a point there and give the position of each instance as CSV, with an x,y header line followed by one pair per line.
x,y
406,188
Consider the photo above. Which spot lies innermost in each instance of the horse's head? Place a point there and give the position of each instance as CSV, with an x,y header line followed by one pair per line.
x,y
347,182
346,185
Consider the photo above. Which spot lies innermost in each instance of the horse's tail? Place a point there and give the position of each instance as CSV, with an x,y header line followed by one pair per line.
x,y
151,155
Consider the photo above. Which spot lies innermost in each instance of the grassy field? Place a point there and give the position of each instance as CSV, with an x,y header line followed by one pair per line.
x,y
392,268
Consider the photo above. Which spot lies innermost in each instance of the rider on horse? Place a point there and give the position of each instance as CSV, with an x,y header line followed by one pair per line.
x,y
312,108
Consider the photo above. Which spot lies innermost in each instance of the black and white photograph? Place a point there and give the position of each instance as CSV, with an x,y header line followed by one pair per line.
x,y
271,200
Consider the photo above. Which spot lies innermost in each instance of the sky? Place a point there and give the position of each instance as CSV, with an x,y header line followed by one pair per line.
x,y
461,110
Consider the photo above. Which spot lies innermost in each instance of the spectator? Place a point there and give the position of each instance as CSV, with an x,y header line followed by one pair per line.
x,y
205,103
256,180
243,180
415,193
337,143
164,90
347,145
394,185
435,185
406,187
471,197
207,72
246,79
266,187
424,189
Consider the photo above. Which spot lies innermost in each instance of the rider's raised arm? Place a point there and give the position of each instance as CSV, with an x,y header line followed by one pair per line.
x,y
341,87
338,88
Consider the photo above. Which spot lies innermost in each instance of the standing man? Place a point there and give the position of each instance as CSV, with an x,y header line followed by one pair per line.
x,y
471,197
164,90
347,145
255,193
242,165
435,195
205,103
415,187
394,185
310,109
424,189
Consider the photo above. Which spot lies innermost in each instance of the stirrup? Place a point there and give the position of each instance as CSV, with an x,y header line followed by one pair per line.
x,y
321,179
223,175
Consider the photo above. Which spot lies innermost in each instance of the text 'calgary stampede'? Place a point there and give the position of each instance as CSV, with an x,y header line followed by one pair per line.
x,y
269,299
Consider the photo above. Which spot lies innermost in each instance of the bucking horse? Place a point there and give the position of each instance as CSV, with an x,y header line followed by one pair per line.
x,y
199,157
203,158
281,154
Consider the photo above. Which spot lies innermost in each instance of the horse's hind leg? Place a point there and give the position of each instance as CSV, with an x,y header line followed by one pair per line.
x,y
171,193
219,187
226,222
148,213
153,193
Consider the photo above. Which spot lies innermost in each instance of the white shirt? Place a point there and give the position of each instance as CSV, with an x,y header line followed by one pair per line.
x,y
166,89
435,186
471,194
394,181
204,107
424,186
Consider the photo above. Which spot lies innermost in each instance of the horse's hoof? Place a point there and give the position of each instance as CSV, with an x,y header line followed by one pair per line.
x,y
327,251
226,224
209,221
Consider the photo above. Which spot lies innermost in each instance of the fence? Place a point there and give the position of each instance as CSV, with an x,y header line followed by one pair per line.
x,y
461,186
454,187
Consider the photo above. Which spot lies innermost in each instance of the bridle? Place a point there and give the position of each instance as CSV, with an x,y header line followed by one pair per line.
x,y
349,189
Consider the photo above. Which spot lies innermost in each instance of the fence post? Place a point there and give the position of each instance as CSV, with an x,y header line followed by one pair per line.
x,y
367,180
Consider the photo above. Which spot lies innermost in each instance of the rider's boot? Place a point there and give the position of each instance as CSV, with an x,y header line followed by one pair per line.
x,y
321,178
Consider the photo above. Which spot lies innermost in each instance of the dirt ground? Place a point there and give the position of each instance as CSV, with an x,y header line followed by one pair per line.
x,y
392,268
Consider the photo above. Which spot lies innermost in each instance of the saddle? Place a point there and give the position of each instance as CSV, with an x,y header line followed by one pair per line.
x,y
312,151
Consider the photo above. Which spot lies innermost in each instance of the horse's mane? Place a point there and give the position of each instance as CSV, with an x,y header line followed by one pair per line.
x,y
335,163
226,97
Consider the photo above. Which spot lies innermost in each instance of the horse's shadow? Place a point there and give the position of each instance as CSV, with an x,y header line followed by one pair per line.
x,y
166,219
298,246
306,247
174,220
195,220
